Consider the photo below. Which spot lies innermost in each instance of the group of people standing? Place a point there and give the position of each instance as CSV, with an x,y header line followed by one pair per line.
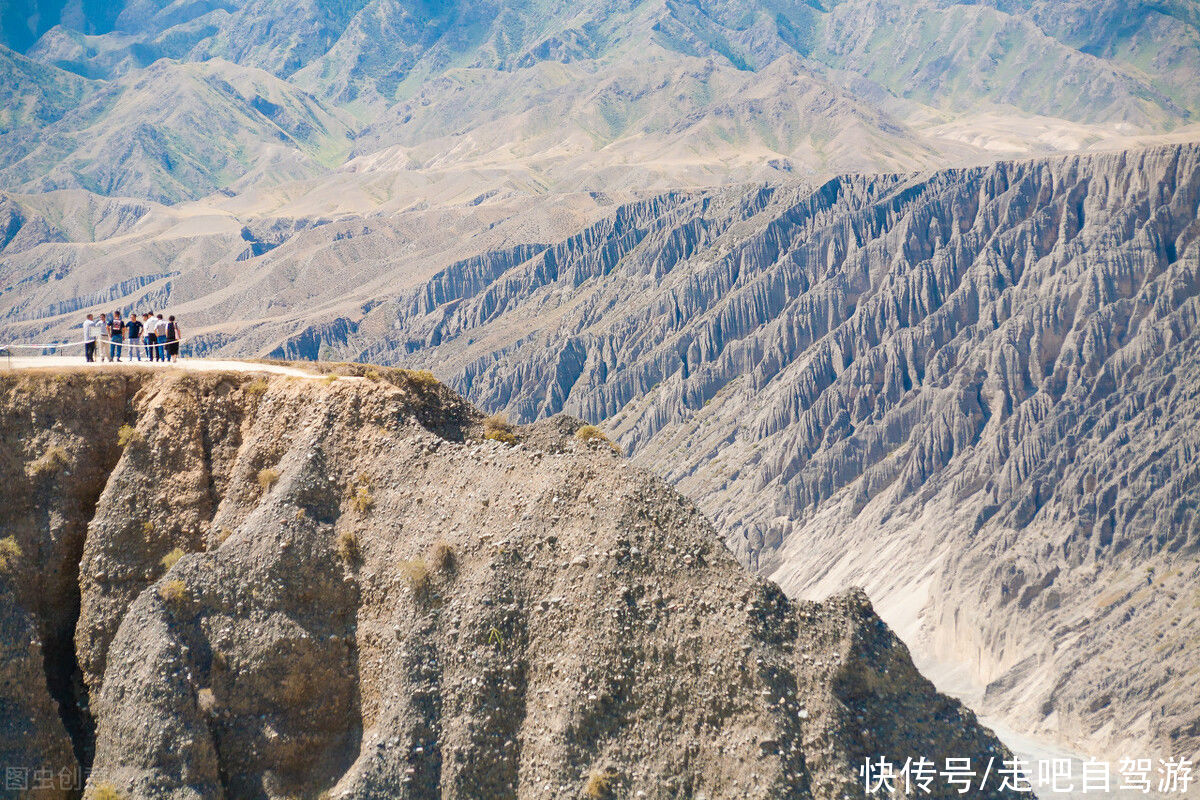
x,y
158,337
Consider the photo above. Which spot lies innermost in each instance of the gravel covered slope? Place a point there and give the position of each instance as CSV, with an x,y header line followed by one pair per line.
x,y
372,599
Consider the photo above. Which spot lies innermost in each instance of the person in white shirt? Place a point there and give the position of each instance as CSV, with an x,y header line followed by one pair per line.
x,y
102,341
89,338
149,338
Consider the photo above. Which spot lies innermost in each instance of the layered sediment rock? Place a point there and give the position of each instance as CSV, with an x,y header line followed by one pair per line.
x,y
972,391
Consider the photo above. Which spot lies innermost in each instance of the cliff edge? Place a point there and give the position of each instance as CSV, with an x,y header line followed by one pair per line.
x,y
228,585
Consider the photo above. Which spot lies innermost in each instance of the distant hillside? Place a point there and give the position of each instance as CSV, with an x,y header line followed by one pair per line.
x,y
698,94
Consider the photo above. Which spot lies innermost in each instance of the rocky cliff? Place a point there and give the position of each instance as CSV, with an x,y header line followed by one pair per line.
x,y
972,391
219,585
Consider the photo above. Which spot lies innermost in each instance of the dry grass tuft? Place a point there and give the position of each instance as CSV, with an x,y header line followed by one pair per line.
x,y
147,528
206,701
361,497
267,478
499,429
127,435
497,422
105,791
599,786
363,500
256,387
10,553
174,593
416,574
51,461
441,557
222,535
347,546
171,558
590,433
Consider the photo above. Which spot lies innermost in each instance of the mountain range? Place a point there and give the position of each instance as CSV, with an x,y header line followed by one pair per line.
x,y
572,96
902,293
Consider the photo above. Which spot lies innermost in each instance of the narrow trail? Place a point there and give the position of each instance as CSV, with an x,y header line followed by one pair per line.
x,y
185,364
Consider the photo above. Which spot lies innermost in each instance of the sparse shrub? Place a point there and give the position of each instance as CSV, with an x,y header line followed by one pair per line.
x,y
423,378
206,701
328,379
267,479
172,558
256,387
372,375
10,553
498,429
147,528
347,546
590,433
300,514
497,422
173,593
441,557
504,437
223,534
127,434
416,574
106,791
599,785
51,461
363,500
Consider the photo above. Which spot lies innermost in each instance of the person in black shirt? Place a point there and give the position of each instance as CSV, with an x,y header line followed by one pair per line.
x,y
133,332
172,339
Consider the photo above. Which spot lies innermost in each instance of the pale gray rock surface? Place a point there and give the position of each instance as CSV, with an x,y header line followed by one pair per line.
x,y
972,391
